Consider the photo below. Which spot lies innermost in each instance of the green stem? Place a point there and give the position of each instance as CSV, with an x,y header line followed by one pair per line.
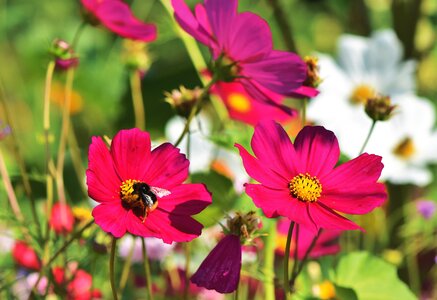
x,y
126,267
147,269
111,268
287,259
196,108
78,34
368,137
304,111
296,252
137,99
284,25
269,260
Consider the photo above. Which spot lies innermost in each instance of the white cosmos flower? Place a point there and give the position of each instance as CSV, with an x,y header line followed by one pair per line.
x,y
366,67
204,154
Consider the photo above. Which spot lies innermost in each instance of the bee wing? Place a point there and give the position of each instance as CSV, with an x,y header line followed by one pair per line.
x,y
160,192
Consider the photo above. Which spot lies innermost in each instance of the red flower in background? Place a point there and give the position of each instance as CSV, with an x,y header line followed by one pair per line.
x,y
118,18
141,191
61,218
25,256
78,286
300,180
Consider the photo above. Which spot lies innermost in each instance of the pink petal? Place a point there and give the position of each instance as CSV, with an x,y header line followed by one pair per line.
x,y
317,149
130,150
250,38
111,217
260,172
304,92
272,146
327,242
186,199
281,72
171,227
220,270
102,179
324,217
279,203
221,15
167,168
190,24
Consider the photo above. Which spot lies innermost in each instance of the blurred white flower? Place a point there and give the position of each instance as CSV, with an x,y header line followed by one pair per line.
x,y
156,248
366,67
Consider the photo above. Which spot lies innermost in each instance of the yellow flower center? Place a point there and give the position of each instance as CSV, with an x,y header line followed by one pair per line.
x,y
239,102
305,188
405,149
362,93
138,196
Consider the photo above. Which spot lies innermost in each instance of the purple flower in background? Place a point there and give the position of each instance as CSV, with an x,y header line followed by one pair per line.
x,y
242,47
4,130
220,270
426,208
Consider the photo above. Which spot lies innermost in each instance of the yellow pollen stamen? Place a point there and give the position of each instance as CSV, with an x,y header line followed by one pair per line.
x,y
405,149
361,94
127,190
239,102
305,188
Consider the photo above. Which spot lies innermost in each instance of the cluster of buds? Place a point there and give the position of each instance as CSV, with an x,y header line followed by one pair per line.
x,y
183,100
244,225
379,108
136,56
313,69
64,55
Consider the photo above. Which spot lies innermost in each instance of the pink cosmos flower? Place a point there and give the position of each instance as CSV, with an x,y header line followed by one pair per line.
x,y
300,180
141,191
79,284
220,270
242,107
241,44
117,17
61,218
326,244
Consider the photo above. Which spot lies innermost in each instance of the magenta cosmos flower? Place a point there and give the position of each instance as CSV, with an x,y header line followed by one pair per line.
x,y
220,270
141,191
118,18
300,180
242,47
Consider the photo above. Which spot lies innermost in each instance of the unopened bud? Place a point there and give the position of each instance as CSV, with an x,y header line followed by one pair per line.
x,y
64,55
183,100
313,69
379,108
136,56
244,225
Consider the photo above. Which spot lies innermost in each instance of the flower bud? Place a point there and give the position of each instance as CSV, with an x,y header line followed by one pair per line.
x,y
183,100
379,108
64,55
136,56
244,225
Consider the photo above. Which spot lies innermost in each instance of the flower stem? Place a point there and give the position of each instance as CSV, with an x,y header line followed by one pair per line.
x,y
284,25
187,266
111,268
305,258
147,270
46,116
137,99
78,34
196,109
368,137
287,259
304,112
269,260
296,252
126,267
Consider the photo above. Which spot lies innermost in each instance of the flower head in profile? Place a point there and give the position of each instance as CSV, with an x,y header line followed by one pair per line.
x,y
242,48
141,191
300,181
61,218
326,244
118,18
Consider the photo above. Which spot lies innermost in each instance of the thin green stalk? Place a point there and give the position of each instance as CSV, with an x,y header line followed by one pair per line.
x,y
137,99
126,267
368,137
284,26
269,260
196,108
111,268
78,34
147,270
46,112
187,267
296,252
287,259
304,111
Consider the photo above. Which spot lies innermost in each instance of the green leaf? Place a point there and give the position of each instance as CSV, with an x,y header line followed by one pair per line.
x,y
370,277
